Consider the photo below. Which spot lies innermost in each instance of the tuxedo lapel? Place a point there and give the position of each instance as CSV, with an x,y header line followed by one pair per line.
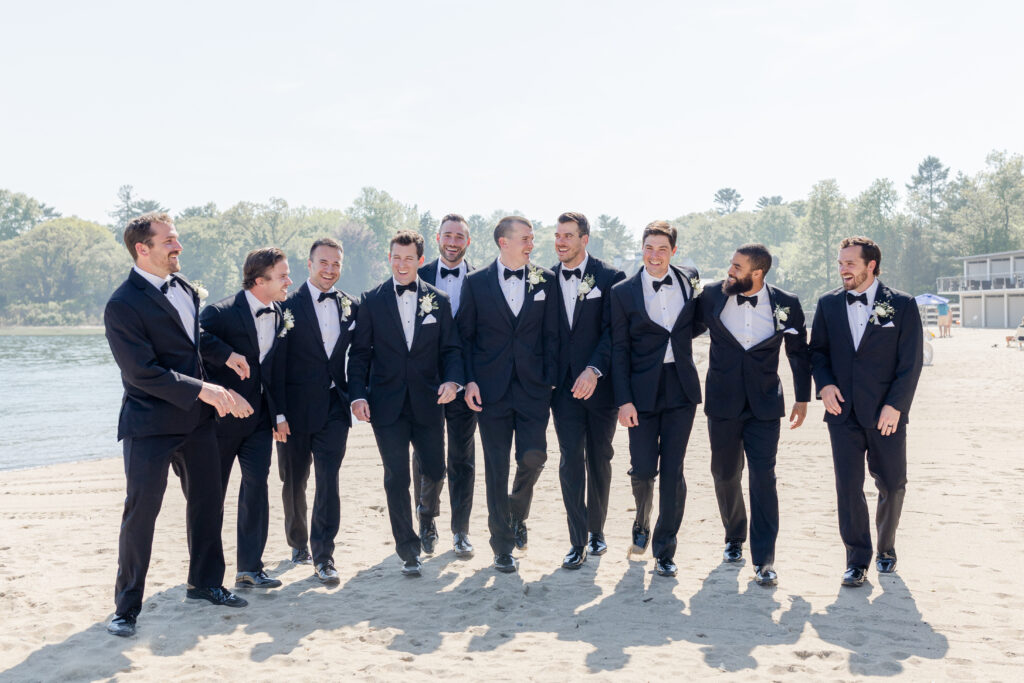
x,y
843,320
578,309
637,288
161,300
527,296
391,303
776,332
278,326
421,291
882,293
245,317
563,317
687,300
305,300
502,304
720,302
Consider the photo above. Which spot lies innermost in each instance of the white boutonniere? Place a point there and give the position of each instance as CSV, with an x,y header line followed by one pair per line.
x,y
346,307
427,304
781,316
534,276
881,311
288,322
697,286
200,290
586,286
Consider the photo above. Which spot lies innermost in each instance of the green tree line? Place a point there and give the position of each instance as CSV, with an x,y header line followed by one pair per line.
x,y
56,270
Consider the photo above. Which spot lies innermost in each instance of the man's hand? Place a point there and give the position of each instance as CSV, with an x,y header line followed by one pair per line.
x,y
889,420
446,392
242,408
585,384
218,397
473,397
282,431
799,414
237,362
361,409
832,397
628,416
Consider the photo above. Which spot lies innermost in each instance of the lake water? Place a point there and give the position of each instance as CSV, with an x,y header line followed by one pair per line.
x,y
59,400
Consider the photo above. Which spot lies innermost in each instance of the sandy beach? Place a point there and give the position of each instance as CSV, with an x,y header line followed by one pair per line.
x,y
953,610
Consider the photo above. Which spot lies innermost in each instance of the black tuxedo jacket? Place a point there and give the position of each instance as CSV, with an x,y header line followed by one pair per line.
x,y
496,343
638,343
589,341
228,327
304,372
737,376
161,368
383,370
885,368
428,271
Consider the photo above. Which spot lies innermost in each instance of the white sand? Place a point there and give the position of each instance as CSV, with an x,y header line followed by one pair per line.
x,y
954,610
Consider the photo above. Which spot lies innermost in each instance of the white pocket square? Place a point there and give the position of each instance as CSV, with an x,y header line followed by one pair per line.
x,y
889,324
789,330
540,296
595,293
352,326
429,319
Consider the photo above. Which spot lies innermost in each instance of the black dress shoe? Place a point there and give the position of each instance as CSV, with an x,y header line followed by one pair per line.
x,y
666,567
218,595
596,545
412,567
641,537
886,562
733,552
505,563
255,580
854,576
327,574
301,556
428,536
519,529
764,575
122,625
463,548
576,557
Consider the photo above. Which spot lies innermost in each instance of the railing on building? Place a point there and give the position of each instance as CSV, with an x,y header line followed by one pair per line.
x,y
996,281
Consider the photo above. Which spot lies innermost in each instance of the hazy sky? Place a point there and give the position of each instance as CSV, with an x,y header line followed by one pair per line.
x,y
636,109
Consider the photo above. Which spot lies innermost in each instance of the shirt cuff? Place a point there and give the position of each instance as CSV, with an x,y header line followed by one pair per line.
x,y
358,400
280,419
595,371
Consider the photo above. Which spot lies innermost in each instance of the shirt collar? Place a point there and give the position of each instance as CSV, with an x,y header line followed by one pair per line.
x,y
314,291
461,268
583,264
396,283
871,292
255,304
154,280
501,265
648,279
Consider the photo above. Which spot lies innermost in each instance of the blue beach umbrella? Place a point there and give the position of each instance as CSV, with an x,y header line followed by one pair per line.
x,y
930,299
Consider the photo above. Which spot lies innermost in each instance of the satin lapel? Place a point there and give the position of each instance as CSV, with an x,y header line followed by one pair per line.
x,y
278,326
417,320
723,299
562,316
687,300
775,321
637,287
501,303
391,303
245,317
578,309
881,294
527,295
305,300
843,320
343,325
162,301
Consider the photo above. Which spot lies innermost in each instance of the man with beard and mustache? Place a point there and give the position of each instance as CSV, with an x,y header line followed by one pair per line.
x,y
866,352
749,321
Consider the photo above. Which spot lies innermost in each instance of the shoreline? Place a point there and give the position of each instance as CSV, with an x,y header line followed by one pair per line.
x,y
48,330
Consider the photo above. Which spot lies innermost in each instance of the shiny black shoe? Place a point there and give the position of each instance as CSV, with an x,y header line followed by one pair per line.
x,y
301,556
666,567
218,595
596,545
463,548
412,567
576,557
854,576
122,625
885,563
519,529
428,536
255,580
764,575
733,552
505,563
327,574
641,537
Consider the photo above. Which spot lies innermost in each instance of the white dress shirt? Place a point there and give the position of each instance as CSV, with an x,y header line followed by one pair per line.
x,y
514,288
749,325
571,287
858,314
406,311
452,285
179,297
664,306
265,324
328,315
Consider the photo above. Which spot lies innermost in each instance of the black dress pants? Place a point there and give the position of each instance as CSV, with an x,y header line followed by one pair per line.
x,y
461,465
253,452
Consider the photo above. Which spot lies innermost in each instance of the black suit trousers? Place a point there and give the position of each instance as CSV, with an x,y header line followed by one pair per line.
x,y
759,439
461,466
887,463
393,442
325,450
253,452
522,417
146,461
585,468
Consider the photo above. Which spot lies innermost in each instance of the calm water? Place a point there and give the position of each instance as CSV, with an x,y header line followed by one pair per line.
x,y
59,399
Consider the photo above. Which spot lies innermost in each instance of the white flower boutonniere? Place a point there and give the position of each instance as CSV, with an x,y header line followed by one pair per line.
x,y
427,304
881,311
346,307
534,276
200,290
585,287
697,286
289,322
781,316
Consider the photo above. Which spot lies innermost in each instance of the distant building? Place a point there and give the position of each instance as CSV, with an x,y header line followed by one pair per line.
x,y
991,290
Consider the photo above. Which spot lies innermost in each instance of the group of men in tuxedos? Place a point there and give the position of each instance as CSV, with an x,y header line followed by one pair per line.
x,y
443,349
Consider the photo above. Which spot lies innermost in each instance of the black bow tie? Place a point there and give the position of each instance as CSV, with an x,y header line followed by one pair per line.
x,y
401,289
658,284
851,299
445,272
326,295
752,300
173,282
260,312
568,274
514,273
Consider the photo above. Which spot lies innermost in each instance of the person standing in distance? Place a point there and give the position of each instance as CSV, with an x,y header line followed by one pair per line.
x,y
153,332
